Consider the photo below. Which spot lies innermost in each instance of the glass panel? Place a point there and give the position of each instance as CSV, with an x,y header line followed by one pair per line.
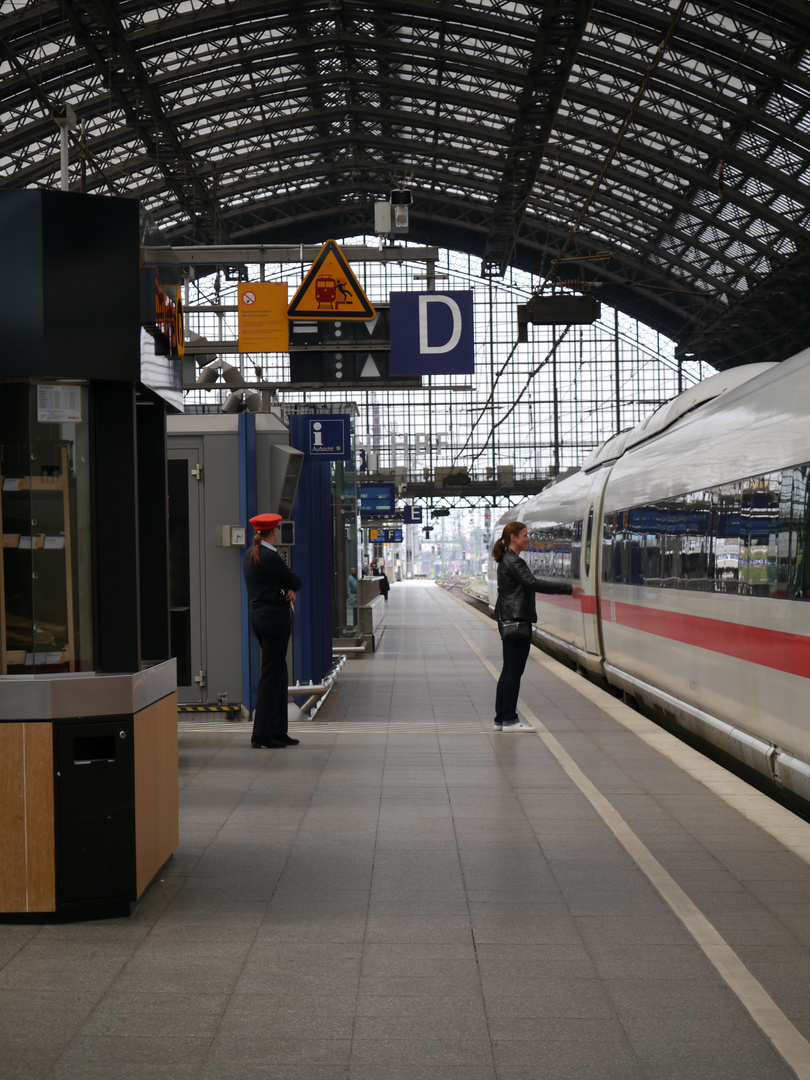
x,y
730,551
588,543
760,525
179,568
346,547
45,579
750,537
788,550
556,551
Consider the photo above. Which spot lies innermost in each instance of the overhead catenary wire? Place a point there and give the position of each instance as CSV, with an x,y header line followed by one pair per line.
x,y
639,96
548,277
516,402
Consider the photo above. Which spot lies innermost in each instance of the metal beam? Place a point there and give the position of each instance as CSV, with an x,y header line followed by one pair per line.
x,y
226,255
476,489
97,27
557,40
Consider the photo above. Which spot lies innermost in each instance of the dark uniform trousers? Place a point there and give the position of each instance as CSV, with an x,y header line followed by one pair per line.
x,y
272,626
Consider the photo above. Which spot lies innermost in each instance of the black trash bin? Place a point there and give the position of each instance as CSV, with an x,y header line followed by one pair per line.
x,y
95,815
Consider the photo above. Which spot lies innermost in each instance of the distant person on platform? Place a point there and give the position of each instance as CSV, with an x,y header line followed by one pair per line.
x,y
271,586
515,611
385,585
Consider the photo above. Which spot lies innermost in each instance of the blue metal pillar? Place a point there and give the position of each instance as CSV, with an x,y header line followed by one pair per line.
x,y
247,510
312,557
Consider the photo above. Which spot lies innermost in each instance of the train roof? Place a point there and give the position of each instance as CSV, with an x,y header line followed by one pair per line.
x,y
738,424
756,427
672,411
556,503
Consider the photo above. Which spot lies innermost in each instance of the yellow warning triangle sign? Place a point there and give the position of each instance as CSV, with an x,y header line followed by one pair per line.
x,y
330,290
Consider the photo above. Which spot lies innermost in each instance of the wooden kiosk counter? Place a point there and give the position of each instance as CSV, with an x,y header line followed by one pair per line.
x,y
88,791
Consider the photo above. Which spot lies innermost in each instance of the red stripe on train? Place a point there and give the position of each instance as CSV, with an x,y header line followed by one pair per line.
x,y
768,648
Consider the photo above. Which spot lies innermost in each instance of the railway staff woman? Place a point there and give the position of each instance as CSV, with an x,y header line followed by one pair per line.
x,y
515,604
271,586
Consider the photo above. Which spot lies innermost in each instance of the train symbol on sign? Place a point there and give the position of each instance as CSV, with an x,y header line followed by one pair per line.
x,y
330,288
326,292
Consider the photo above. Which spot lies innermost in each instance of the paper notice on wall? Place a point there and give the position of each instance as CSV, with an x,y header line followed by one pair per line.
x,y
263,325
59,404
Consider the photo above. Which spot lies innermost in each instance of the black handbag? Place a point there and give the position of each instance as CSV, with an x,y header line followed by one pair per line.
x,y
515,630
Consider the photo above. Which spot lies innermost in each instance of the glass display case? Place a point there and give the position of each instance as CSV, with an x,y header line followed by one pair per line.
x,y
46,612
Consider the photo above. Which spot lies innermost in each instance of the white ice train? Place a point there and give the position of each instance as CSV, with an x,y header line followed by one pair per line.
x,y
690,535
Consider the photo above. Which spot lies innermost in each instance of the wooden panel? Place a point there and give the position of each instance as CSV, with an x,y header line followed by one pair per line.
x,y
157,803
39,816
27,851
12,819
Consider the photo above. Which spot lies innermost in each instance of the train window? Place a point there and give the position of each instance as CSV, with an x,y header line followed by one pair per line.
x,y
729,542
588,543
788,548
759,512
555,551
748,538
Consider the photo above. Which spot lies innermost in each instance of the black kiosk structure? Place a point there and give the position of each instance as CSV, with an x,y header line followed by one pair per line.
x,y
88,704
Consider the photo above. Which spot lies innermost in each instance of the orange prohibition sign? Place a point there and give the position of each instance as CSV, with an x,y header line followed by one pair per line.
x,y
330,290
263,325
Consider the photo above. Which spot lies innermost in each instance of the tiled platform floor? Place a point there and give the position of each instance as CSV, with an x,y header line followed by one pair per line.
x,y
409,896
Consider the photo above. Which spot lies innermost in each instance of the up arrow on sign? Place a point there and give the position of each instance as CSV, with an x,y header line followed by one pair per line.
x,y
432,333
370,369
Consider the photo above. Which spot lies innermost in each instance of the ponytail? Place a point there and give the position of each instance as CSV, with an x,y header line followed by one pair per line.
x,y
258,536
512,528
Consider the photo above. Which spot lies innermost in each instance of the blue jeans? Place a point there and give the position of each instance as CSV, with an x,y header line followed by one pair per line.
x,y
515,655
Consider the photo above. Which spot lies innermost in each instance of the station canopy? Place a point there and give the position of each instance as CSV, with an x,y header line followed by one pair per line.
x,y
655,153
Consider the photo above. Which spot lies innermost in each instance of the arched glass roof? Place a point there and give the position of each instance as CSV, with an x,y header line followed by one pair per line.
x,y
658,153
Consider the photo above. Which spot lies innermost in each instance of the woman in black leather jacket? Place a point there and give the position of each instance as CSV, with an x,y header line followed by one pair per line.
x,y
516,588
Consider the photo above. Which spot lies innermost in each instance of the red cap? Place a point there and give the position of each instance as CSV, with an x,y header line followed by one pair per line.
x,y
265,522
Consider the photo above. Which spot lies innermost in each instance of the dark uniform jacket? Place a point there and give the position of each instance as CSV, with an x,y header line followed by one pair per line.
x,y
269,581
517,586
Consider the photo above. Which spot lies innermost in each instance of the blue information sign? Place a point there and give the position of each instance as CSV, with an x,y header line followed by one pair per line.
x,y
327,438
432,333
377,499
385,536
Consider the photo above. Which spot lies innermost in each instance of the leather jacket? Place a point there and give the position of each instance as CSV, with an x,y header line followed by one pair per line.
x,y
517,586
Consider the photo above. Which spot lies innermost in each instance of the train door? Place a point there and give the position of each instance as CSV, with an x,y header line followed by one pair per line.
x,y
592,549
187,577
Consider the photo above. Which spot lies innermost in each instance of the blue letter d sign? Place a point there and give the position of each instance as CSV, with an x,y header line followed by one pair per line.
x,y
432,333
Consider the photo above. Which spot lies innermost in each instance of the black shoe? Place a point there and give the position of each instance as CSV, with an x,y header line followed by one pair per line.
x,y
288,740
271,744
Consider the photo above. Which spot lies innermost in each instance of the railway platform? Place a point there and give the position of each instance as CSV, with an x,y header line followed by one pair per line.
x,y
410,895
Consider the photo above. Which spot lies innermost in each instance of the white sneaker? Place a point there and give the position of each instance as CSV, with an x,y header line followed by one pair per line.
x,y
497,725
517,726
